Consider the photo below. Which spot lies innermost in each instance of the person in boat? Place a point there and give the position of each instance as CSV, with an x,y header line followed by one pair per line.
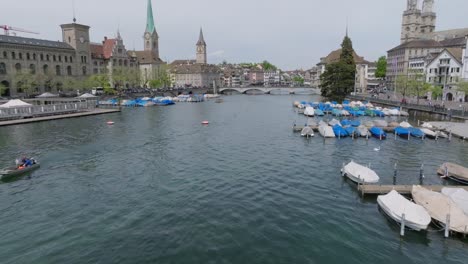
x,y
25,162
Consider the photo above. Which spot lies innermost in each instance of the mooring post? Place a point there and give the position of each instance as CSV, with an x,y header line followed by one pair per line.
x,y
421,174
409,134
395,174
446,172
447,226
450,136
402,229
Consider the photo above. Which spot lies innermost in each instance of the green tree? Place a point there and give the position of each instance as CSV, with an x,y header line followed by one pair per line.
x,y
338,79
160,78
417,86
3,89
25,82
436,92
267,66
381,71
401,84
462,86
97,80
298,80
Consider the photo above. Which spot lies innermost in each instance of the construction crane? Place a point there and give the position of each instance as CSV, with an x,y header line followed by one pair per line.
x,y
7,30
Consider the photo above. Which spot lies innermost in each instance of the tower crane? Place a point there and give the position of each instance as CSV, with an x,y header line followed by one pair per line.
x,y
7,30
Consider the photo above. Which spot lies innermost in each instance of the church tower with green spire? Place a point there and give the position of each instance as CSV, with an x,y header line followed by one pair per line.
x,y
151,37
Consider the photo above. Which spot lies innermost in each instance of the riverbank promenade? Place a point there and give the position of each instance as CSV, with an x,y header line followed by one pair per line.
x,y
446,108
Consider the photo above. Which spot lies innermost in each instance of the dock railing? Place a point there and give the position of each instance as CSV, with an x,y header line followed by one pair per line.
x,y
44,110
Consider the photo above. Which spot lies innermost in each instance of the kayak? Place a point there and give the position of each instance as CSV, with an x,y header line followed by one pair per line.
x,y
14,171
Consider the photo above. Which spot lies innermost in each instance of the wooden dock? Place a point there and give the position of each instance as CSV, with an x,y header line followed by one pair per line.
x,y
97,111
402,189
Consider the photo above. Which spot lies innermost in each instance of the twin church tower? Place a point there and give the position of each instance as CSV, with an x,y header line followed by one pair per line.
x,y
417,23
151,38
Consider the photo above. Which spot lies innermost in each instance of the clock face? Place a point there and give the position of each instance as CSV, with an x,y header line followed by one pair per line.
x,y
147,36
82,40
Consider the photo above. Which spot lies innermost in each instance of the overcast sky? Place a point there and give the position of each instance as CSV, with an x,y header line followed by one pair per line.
x,y
291,34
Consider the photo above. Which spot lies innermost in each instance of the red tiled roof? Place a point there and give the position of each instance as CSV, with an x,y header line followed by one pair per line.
x,y
108,46
96,50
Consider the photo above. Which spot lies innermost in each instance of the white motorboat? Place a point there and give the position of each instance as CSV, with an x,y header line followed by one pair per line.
x,y
458,196
345,113
380,123
439,207
307,132
334,122
362,131
454,172
359,173
442,134
427,125
326,131
405,124
309,111
429,133
395,206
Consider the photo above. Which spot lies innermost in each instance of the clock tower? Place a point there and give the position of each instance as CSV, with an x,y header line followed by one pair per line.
x,y
151,38
201,49
77,36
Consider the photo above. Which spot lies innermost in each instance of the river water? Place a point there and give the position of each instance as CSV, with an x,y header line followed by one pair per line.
x,y
158,187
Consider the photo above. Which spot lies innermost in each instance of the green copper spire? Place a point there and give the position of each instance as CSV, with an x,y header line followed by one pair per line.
x,y
150,20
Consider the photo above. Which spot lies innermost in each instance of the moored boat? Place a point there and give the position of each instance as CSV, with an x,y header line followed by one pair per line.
x,y
307,132
458,196
362,131
440,208
326,131
454,172
416,132
429,133
378,132
359,173
339,131
398,208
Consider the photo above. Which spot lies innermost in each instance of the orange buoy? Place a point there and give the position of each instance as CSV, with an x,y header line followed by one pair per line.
x,y
205,122
110,122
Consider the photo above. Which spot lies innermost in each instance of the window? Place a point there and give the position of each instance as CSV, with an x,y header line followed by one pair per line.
x,y
84,70
32,69
66,59
47,57
28,57
42,57
54,58
3,68
34,56
18,67
5,55
20,55
458,69
45,69
69,70
58,71
451,70
71,59
13,55
60,58
69,39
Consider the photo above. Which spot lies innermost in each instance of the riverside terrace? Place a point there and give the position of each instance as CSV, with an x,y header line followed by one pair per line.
x,y
49,109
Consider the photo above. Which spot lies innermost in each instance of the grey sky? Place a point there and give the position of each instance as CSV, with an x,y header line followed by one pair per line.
x,y
292,34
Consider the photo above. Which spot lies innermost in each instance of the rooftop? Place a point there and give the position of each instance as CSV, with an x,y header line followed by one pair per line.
x,y
34,42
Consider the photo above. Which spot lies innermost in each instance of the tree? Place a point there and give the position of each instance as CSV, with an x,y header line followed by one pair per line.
x,y
338,79
97,80
298,80
267,66
160,78
462,86
416,85
381,71
401,84
25,82
3,89
436,92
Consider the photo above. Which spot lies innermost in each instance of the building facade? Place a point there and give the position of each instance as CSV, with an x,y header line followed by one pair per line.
x,y
445,71
417,23
199,74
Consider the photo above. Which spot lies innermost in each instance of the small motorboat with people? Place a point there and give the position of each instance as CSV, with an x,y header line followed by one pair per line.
x,y
307,132
401,209
359,174
441,208
454,172
23,166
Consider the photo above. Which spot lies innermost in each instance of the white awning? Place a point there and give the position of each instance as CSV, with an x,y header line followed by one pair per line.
x,y
15,103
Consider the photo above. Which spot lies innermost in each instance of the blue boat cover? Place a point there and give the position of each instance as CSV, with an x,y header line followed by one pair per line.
x,y
355,123
401,131
416,132
339,131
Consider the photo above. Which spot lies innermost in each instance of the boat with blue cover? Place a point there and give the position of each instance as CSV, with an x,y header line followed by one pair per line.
x,y
339,131
378,132
355,123
337,112
345,122
350,130
319,112
379,113
416,132
402,131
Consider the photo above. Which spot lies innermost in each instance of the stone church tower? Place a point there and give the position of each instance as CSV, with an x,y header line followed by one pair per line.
x,y
201,49
151,37
428,17
416,23
411,25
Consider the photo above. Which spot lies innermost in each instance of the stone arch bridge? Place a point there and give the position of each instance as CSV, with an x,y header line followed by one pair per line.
x,y
265,90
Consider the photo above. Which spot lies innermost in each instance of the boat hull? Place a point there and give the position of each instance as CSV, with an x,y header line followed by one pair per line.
x,y
12,172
